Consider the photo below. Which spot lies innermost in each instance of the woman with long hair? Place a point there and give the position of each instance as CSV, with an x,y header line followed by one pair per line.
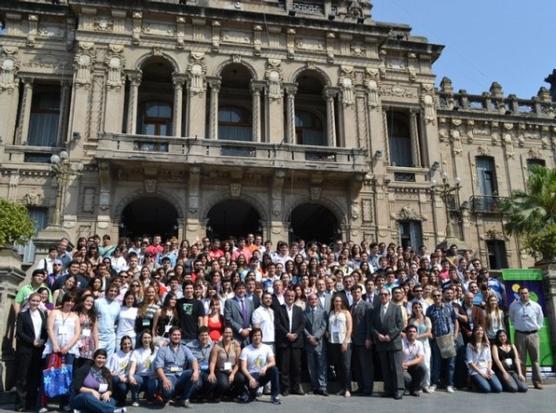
x,y
127,317
165,318
224,366
147,309
69,287
479,363
424,334
494,317
88,343
215,321
141,373
339,339
507,365
119,366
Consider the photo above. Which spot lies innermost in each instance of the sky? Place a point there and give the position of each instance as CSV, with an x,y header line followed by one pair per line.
x,y
508,41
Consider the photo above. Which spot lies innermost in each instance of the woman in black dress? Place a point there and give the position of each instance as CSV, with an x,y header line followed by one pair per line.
x,y
506,364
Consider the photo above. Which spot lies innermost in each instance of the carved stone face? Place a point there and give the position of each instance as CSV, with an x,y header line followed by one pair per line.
x,y
346,82
8,64
115,63
427,100
197,70
274,76
84,60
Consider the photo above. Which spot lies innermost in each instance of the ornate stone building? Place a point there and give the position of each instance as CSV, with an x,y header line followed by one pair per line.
x,y
291,118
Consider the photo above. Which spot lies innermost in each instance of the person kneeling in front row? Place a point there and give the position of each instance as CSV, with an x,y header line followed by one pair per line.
x,y
92,387
177,370
414,361
259,367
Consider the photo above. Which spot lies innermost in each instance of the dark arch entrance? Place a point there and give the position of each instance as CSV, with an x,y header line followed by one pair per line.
x,y
313,222
232,218
148,216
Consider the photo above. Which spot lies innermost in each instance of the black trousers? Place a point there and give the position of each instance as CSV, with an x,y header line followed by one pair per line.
x,y
363,367
225,388
29,374
414,376
392,370
290,368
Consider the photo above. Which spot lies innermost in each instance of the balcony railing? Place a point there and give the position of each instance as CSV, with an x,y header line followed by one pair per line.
x,y
486,204
226,152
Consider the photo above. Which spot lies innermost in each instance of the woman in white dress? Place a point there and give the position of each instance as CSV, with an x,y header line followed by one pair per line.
x,y
126,319
339,338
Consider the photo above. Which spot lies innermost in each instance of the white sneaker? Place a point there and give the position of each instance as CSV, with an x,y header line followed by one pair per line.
x,y
135,404
120,410
450,389
432,388
76,411
43,410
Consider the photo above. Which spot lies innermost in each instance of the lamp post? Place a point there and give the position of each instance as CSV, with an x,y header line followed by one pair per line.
x,y
444,189
62,169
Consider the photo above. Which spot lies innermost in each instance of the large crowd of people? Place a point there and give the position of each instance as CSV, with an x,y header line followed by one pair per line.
x,y
152,321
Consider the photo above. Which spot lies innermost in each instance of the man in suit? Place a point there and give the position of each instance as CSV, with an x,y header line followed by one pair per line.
x,y
345,294
30,338
290,324
237,314
370,295
323,296
386,328
362,360
315,347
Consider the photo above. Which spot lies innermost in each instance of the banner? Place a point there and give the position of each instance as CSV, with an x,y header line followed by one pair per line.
x,y
532,279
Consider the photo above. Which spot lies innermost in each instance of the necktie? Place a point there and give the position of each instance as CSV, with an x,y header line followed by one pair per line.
x,y
244,313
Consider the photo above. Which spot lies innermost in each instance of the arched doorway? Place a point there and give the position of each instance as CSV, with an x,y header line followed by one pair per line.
x,y
313,222
148,216
232,218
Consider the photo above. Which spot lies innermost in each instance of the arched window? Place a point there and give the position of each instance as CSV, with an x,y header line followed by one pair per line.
x,y
308,129
234,123
156,118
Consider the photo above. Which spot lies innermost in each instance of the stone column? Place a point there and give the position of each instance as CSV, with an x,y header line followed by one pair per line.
x,y
25,112
414,134
63,120
9,101
329,95
256,111
133,101
290,114
177,115
213,114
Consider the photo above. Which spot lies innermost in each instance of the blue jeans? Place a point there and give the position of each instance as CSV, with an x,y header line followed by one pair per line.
x,y
144,383
87,403
182,386
439,365
491,385
271,375
119,390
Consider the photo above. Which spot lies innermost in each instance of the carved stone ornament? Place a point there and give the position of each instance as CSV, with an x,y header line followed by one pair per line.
x,y
32,199
103,24
315,192
509,145
150,186
235,190
83,63
115,63
354,211
8,70
274,78
408,214
197,71
494,234
455,137
428,105
346,85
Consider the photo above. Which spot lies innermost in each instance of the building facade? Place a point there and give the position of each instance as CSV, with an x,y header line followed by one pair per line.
x,y
289,118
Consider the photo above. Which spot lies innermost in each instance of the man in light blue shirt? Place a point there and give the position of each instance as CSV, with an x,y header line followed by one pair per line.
x,y
177,370
108,310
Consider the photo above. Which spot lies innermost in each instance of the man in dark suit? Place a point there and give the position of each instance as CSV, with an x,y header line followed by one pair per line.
x,y
370,295
345,294
362,360
237,314
290,324
30,338
386,327
315,347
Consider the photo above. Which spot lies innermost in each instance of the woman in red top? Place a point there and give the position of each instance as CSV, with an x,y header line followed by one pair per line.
x,y
215,320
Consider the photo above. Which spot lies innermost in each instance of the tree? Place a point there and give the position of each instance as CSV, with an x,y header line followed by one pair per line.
x,y
16,227
531,214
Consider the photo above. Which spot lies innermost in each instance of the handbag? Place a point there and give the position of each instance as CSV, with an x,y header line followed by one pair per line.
x,y
446,346
57,377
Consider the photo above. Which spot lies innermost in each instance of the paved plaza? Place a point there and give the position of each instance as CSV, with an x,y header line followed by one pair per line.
x,y
533,401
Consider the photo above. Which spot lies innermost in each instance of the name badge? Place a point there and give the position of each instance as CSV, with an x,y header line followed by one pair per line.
x,y
102,387
62,330
204,365
175,369
509,362
86,332
146,322
227,366
167,328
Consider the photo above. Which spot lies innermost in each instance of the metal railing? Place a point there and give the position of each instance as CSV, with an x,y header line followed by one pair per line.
x,y
486,204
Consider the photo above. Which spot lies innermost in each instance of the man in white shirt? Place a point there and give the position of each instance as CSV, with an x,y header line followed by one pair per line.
x,y
414,361
527,318
263,318
259,367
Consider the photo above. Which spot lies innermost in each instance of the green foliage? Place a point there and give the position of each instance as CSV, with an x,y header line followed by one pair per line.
x,y
15,225
531,214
